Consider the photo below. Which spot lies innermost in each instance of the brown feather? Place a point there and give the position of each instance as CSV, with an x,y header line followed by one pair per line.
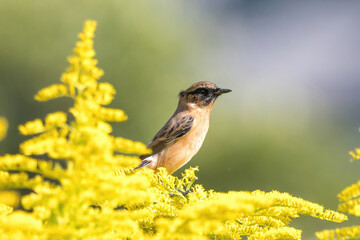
x,y
174,129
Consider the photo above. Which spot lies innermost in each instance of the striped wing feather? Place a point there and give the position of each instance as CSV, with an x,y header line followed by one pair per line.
x,y
170,133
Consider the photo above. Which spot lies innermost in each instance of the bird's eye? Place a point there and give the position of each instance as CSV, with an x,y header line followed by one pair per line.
x,y
202,91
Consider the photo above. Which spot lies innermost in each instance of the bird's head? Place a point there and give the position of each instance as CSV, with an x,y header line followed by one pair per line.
x,y
201,95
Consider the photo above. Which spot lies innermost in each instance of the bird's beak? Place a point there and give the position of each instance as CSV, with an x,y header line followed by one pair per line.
x,y
220,91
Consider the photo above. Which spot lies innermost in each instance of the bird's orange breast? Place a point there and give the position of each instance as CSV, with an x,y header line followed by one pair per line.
x,y
178,154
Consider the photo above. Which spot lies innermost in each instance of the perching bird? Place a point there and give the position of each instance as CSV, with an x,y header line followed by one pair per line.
x,y
182,136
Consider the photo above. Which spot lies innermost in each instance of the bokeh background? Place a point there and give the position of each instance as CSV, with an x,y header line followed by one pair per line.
x,y
293,67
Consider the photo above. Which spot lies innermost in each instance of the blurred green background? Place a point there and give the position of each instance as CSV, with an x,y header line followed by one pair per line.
x,y
293,67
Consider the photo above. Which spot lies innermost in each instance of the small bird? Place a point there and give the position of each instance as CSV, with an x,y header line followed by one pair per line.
x,y
182,136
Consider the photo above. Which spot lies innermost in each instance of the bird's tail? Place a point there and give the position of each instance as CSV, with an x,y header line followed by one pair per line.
x,y
143,163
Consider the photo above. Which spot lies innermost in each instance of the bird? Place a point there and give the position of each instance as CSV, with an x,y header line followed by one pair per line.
x,y
183,134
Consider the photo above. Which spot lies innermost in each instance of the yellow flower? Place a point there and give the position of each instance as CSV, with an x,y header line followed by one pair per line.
x,y
53,91
277,233
20,220
32,127
3,127
56,119
350,192
111,115
340,233
5,209
127,146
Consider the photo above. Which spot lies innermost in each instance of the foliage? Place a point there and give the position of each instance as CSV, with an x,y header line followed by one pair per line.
x,y
83,185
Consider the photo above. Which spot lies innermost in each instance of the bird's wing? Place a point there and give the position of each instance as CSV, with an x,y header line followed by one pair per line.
x,y
173,130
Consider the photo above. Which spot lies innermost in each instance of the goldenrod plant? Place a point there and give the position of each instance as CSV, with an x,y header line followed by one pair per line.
x,y
83,185
349,200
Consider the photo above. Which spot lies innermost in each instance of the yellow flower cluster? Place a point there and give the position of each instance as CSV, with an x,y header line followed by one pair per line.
x,y
77,193
3,127
355,154
340,233
349,200
202,214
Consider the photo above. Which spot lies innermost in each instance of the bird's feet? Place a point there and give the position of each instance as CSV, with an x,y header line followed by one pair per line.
x,y
184,192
